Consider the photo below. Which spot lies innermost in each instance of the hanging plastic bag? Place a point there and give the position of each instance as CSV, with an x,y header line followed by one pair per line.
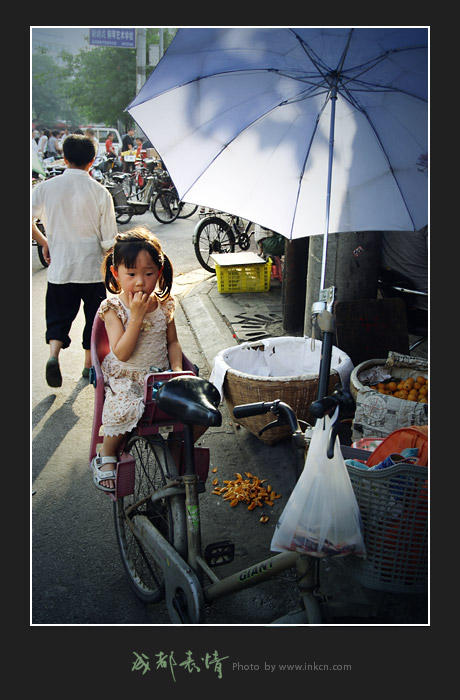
x,y
321,517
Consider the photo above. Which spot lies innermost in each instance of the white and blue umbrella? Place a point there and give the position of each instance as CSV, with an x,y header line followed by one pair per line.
x,y
296,129
302,130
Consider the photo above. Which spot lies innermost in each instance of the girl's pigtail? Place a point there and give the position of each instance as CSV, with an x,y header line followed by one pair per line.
x,y
110,280
166,278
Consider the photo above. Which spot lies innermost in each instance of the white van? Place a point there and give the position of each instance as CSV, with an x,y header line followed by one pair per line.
x,y
101,133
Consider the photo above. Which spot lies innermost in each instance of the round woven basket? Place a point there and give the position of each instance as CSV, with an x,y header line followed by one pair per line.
x,y
298,392
355,384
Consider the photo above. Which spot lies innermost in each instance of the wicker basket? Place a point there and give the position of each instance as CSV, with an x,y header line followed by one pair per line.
x,y
284,368
401,369
393,503
297,392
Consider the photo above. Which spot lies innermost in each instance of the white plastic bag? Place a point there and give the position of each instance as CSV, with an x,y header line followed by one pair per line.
x,y
321,517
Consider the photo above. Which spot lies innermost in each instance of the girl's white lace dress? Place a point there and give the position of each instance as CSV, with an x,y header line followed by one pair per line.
x,y
124,381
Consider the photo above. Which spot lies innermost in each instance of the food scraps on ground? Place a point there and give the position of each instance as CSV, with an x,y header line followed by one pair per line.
x,y
250,491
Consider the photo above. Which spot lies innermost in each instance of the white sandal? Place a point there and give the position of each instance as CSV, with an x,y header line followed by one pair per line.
x,y
99,475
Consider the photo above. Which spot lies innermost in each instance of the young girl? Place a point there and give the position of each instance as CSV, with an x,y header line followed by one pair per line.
x,y
142,333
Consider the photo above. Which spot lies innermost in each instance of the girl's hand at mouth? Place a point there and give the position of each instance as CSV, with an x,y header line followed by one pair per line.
x,y
138,304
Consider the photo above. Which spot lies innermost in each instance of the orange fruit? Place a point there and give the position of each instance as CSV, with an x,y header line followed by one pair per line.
x,y
380,386
401,385
421,380
422,399
417,385
392,386
403,394
423,390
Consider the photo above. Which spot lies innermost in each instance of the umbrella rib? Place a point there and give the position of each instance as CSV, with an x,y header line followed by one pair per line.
x,y
374,87
323,68
390,167
365,67
307,154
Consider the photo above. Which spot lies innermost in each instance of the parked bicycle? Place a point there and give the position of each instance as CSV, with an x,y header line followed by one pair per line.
x,y
135,182
128,206
218,232
166,205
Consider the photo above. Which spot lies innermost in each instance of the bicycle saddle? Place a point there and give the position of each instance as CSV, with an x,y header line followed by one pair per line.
x,y
192,400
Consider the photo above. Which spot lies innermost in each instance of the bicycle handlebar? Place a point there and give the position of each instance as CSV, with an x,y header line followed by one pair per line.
x,y
252,409
320,407
284,413
328,404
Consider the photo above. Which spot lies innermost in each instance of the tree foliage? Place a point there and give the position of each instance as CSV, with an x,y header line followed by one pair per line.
x,y
97,83
100,82
48,103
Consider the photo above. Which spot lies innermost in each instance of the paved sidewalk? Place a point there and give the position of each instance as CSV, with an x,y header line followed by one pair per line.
x,y
222,320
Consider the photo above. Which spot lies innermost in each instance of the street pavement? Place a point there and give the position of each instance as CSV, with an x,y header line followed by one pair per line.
x,y
77,576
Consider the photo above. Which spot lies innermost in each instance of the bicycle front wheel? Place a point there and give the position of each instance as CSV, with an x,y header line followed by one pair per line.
x,y
154,465
213,235
165,206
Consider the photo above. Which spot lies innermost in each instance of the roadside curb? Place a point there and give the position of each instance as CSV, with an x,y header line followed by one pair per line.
x,y
219,321
209,328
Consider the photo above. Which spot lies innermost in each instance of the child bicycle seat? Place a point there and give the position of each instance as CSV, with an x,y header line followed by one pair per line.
x,y
192,400
100,347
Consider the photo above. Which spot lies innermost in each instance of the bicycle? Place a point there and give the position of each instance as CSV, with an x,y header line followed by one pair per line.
x,y
159,192
156,508
166,205
134,182
126,208
156,503
215,234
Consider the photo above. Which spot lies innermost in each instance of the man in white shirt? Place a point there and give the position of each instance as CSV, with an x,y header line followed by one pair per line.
x,y
79,220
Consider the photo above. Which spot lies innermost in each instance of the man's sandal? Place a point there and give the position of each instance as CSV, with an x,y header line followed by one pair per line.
x,y
100,475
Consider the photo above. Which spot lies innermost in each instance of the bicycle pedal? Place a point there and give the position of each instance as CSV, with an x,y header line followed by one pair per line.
x,y
219,553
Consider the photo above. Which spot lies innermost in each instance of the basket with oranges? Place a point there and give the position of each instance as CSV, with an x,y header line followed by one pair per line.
x,y
410,389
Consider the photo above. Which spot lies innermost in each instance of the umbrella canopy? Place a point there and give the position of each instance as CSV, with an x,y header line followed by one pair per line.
x,y
302,130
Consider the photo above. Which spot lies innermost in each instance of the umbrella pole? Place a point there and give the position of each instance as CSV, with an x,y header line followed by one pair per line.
x,y
322,310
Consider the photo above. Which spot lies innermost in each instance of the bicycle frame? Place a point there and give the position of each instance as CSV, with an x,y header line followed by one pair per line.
x,y
184,577
187,576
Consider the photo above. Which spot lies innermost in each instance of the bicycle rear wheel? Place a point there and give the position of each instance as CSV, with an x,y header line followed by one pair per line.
x,y
154,465
165,206
186,210
212,235
124,216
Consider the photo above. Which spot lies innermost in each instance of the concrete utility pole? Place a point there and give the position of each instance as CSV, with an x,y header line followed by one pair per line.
x,y
140,57
352,265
